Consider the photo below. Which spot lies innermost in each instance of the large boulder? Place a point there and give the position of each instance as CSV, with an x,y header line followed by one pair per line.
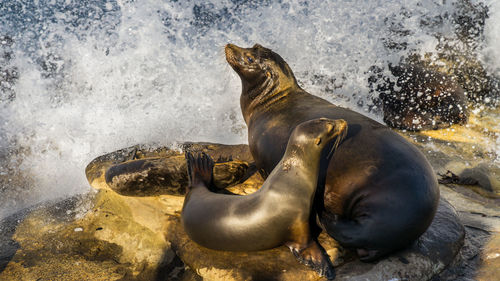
x,y
96,237
445,236
108,236
427,257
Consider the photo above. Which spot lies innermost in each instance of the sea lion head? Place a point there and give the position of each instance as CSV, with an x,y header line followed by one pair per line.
x,y
316,134
259,68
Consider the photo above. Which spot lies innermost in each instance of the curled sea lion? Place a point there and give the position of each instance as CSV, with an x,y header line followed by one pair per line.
x,y
377,193
278,213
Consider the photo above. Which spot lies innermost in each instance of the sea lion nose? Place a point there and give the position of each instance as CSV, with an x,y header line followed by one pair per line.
x,y
232,47
228,47
341,124
231,53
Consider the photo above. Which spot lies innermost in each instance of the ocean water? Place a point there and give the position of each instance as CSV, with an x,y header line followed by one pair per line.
x,y
90,77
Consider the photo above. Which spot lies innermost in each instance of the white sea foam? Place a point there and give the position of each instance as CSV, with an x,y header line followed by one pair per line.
x,y
154,72
491,55
491,52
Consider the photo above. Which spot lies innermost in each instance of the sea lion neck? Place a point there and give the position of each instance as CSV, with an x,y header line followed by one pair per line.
x,y
264,95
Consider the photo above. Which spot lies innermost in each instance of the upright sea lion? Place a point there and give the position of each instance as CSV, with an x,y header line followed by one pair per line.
x,y
376,194
278,213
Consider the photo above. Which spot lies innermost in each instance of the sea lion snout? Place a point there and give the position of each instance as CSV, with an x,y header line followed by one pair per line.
x,y
323,128
340,125
230,51
334,126
244,61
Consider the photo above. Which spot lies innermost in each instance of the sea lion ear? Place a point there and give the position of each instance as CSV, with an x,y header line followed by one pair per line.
x,y
268,74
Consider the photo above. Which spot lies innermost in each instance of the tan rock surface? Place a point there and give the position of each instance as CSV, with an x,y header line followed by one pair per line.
x,y
115,237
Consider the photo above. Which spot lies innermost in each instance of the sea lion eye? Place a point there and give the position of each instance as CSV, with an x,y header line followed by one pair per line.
x,y
249,59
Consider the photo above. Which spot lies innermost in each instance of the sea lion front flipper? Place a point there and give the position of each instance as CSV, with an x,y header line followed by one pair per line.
x,y
315,257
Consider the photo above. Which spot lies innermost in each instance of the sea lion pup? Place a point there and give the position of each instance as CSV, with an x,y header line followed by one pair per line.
x,y
380,193
278,213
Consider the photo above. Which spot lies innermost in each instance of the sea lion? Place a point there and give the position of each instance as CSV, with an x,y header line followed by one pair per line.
x,y
145,171
278,213
377,194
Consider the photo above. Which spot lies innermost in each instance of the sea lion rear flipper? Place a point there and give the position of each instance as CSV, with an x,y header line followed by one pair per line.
x,y
189,158
359,236
314,256
200,170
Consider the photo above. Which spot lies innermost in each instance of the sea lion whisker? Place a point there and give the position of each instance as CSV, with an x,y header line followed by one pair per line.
x,y
336,143
334,147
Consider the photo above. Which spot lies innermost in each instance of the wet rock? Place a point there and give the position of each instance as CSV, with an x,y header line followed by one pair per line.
x,y
420,98
455,62
108,236
482,175
430,254
490,260
468,148
481,218
97,237
468,152
466,69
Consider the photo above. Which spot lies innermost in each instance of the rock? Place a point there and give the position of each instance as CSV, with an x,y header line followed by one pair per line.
x,y
483,175
420,98
107,239
445,236
465,68
107,236
481,218
490,260
430,254
456,54
455,62
466,151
